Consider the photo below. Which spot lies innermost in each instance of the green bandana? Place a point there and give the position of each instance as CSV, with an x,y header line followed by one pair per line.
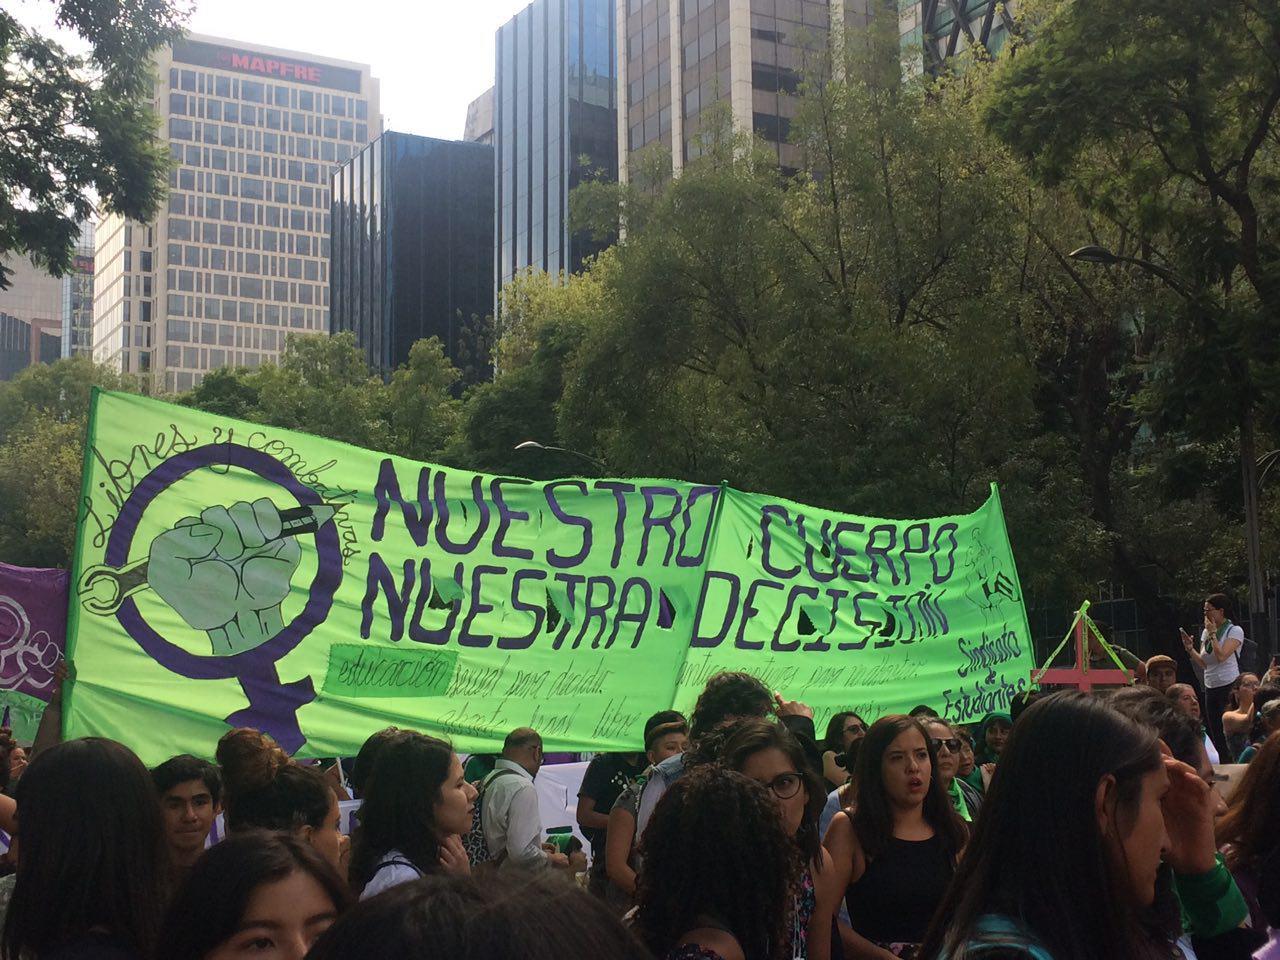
x,y
958,801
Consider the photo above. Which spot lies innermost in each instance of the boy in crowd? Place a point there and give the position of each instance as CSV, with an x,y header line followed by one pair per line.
x,y
190,792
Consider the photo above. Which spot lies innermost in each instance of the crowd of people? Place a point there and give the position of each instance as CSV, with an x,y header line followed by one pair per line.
x,y
1077,826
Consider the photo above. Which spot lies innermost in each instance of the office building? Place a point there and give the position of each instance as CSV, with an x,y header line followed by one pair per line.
x,y
240,256
479,125
554,127
412,244
77,298
682,63
23,343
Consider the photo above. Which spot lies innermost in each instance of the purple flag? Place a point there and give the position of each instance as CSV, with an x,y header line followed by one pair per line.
x,y
33,628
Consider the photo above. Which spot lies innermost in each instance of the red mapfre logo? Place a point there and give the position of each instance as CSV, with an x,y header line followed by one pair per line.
x,y
268,67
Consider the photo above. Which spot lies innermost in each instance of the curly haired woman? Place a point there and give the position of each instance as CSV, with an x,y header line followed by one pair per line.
x,y
718,873
768,754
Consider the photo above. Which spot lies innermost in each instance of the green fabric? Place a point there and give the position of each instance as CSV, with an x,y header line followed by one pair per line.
x,y
974,779
1248,753
1211,902
478,767
323,592
958,801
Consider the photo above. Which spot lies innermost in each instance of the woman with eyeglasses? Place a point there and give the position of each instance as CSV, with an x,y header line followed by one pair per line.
x,y
897,850
768,754
844,729
946,745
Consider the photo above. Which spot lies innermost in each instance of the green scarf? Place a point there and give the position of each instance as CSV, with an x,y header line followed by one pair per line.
x,y
958,801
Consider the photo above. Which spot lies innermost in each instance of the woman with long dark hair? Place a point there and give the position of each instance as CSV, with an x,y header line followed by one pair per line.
x,y
257,894
1065,862
92,877
897,850
417,805
1249,832
844,729
718,871
1238,718
768,754
263,789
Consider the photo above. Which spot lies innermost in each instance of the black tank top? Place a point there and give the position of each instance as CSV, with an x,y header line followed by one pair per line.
x,y
895,898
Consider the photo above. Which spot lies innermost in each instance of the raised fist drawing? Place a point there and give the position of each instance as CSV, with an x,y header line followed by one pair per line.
x,y
227,573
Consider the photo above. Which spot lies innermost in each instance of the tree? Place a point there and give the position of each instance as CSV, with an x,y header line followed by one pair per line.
x,y
423,414
544,323
78,133
43,416
1161,117
824,338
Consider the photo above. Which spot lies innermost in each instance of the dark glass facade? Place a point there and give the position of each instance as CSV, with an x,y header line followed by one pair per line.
x,y
23,343
412,245
555,124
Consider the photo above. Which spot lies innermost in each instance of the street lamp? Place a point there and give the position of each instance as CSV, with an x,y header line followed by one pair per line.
x,y
1101,255
535,445
1092,253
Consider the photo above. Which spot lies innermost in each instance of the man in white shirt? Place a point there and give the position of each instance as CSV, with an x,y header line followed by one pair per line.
x,y
509,810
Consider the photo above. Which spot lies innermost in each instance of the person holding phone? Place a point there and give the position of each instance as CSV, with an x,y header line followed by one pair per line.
x,y
1218,655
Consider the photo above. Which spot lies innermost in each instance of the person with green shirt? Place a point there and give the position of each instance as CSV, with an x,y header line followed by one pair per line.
x,y
989,743
966,799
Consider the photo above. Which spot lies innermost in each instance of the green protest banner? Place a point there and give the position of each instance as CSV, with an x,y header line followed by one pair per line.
x,y
232,574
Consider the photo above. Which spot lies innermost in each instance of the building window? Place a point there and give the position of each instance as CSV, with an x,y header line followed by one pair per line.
x,y
771,127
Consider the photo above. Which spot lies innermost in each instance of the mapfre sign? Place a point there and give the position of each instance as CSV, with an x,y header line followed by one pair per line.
x,y
265,65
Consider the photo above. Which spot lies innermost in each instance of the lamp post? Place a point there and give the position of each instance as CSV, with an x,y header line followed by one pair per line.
x,y
1259,622
535,445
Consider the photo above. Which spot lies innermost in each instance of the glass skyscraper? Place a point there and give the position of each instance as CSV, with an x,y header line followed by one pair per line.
x,y
555,125
412,244
77,298
240,256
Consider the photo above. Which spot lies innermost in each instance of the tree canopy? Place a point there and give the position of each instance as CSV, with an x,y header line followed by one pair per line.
x,y
77,133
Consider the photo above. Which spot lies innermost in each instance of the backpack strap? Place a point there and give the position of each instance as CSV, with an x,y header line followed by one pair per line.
x,y
395,862
491,776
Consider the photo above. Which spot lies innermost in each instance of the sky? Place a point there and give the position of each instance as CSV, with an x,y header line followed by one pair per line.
x,y
433,57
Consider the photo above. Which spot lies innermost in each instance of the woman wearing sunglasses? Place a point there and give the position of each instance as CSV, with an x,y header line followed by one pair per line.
x,y
897,850
844,729
767,753
947,747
